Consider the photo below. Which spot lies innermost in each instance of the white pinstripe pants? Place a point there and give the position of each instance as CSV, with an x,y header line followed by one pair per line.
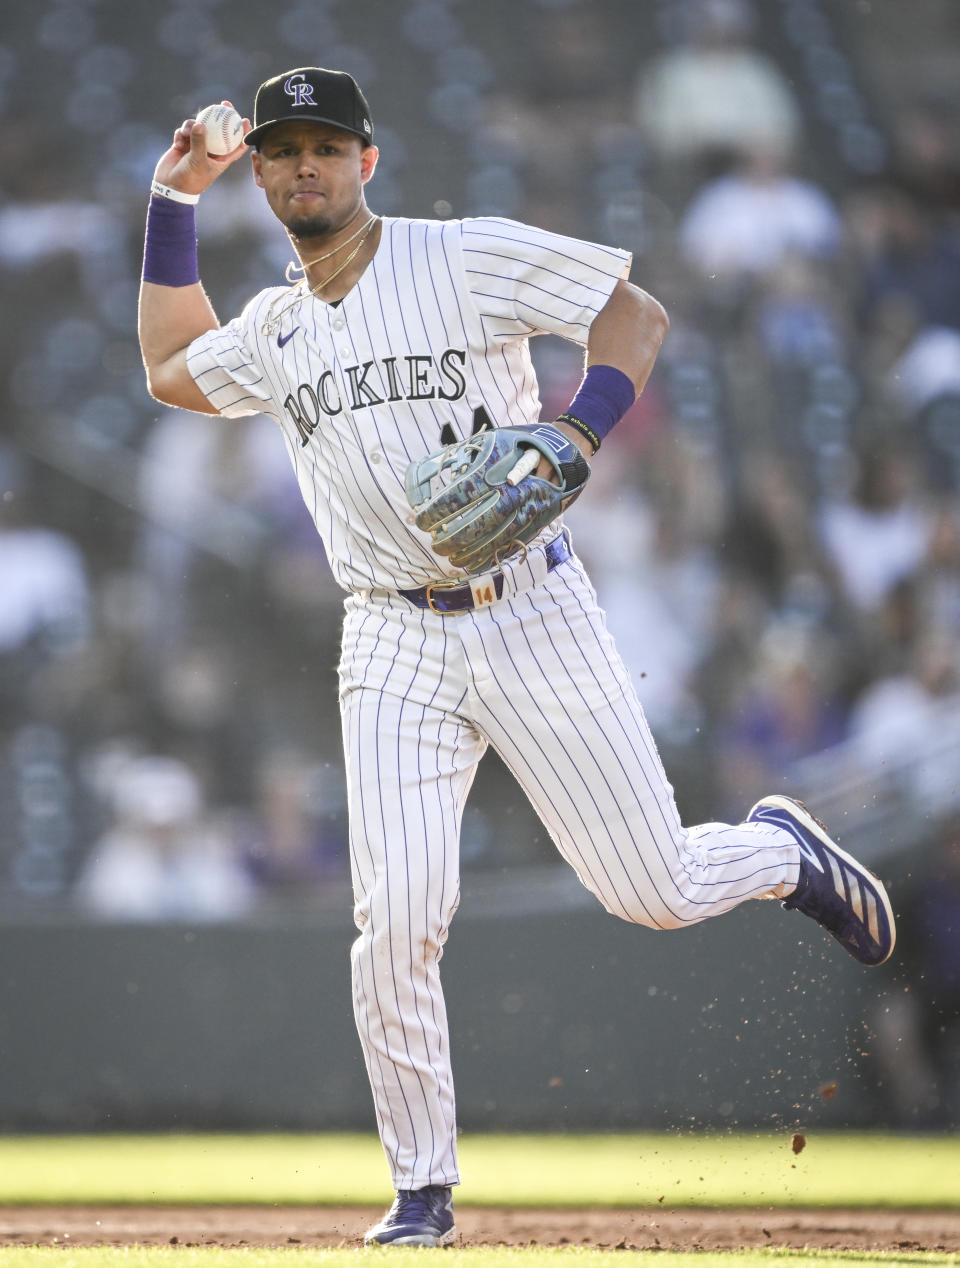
x,y
537,676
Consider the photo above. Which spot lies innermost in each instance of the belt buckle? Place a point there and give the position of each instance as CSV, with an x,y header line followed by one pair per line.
x,y
442,585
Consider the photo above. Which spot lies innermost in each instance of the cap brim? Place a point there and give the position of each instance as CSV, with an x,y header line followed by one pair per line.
x,y
254,136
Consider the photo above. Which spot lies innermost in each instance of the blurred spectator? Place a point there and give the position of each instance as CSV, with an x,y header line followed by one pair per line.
x,y
880,533
940,581
756,217
910,258
769,536
210,487
906,248
44,588
896,712
161,858
799,315
917,1045
928,370
790,709
297,835
658,581
715,96
927,151
45,602
33,232
899,714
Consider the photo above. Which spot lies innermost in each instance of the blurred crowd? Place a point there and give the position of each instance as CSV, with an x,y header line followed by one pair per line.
x,y
774,529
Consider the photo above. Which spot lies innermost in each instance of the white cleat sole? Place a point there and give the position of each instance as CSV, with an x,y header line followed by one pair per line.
x,y
416,1239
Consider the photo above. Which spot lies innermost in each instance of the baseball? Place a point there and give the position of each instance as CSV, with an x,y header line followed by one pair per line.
x,y
224,128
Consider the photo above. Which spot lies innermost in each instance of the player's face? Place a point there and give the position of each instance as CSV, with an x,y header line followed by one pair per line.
x,y
313,175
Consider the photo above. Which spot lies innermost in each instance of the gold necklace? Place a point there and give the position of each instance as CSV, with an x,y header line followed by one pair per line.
x,y
271,323
349,260
302,268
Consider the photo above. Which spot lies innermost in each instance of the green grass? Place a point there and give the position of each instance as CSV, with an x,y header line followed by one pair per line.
x,y
589,1170
496,1257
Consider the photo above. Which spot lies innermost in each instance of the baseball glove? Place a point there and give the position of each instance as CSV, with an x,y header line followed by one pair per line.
x,y
479,499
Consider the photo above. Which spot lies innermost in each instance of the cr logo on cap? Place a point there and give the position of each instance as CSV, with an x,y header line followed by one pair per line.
x,y
302,94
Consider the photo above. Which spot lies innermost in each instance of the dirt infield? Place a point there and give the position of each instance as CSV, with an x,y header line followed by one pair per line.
x,y
637,1229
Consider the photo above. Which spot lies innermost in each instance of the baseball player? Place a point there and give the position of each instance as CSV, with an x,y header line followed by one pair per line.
x,y
397,368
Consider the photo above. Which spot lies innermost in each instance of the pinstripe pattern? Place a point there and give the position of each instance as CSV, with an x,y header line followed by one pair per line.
x,y
552,695
538,678
436,328
410,763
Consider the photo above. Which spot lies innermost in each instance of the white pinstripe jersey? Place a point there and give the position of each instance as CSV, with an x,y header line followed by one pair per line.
x,y
435,330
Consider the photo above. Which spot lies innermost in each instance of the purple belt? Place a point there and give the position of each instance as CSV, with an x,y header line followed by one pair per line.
x,y
464,596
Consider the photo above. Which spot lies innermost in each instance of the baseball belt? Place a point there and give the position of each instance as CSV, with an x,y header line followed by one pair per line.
x,y
463,596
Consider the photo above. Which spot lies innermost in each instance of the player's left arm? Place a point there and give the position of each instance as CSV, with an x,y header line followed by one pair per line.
x,y
624,338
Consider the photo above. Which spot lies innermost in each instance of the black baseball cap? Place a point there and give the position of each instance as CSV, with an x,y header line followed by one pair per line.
x,y
314,94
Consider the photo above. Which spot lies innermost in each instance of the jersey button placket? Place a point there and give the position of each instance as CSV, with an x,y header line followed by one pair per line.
x,y
337,324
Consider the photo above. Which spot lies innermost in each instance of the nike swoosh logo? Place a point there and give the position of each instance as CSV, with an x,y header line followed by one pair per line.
x,y
282,339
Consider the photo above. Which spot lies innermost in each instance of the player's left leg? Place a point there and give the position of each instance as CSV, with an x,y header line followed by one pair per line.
x,y
554,698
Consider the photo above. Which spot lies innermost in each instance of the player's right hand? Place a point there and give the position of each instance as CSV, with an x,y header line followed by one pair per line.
x,y
187,166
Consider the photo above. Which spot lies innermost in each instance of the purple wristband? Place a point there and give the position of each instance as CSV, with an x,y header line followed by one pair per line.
x,y
170,245
605,395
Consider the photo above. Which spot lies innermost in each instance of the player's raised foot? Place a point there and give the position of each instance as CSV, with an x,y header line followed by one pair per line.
x,y
834,889
418,1217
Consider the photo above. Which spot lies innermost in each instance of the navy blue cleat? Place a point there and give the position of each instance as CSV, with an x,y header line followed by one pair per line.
x,y
834,889
418,1217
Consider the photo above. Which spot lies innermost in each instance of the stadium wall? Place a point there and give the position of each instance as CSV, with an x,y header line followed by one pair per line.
x,y
560,1020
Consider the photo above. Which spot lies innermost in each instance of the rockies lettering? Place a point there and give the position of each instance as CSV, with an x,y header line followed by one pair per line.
x,y
411,378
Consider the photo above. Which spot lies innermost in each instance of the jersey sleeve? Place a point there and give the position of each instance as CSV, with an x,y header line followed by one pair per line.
x,y
526,281
228,367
